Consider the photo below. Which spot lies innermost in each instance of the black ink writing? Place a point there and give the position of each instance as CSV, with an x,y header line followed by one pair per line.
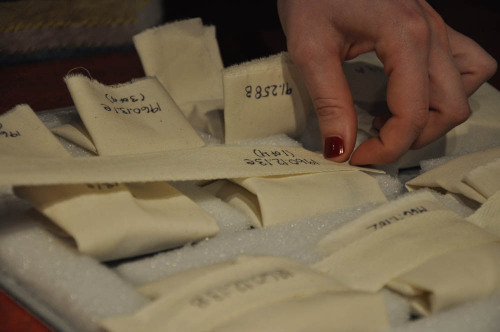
x,y
272,153
272,90
279,157
280,161
126,99
9,133
391,220
102,186
223,292
133,110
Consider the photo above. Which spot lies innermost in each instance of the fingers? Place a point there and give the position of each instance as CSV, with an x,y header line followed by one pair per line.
x,y
405,58
334,107
407,97
321,69
431,70
448,104
456,67
475,65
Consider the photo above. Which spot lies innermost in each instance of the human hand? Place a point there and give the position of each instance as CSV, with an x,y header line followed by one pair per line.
x,y
431,71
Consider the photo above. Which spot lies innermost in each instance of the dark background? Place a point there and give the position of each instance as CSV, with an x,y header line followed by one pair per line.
x,y
252,29
245,30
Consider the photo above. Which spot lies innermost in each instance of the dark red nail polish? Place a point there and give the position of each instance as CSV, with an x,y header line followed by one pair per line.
x,y
334,147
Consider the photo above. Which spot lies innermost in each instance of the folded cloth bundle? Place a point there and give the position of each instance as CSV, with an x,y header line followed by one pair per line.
x,y
107,221
277,199
370,251
488,215
264,97
452,278
475,175
231,296
185,57
135,117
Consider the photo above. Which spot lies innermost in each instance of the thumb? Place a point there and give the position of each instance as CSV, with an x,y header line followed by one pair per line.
x,y
323,74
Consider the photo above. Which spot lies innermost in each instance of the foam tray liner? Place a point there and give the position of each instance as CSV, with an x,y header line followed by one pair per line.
x,y
71,292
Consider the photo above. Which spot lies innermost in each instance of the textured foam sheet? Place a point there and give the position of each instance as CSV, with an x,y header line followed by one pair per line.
x,y
76,288
72,291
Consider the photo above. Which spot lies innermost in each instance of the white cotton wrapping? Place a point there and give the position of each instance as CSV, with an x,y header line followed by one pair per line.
x,y
111,221
451,175
327,312
205,163
452,279
488,215
485,179
107,221
131,118
395,240
185,57
18,129
264,97
272,200
219,295
379,218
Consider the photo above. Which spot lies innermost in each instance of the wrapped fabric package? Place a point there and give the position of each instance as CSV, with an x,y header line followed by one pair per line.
x,y
112,221
226,295
485,179
450,176
205,163
184,56
327,311
135,117
264,97
385,215
488,215
394,239
107,221
272,200
452,279
18,129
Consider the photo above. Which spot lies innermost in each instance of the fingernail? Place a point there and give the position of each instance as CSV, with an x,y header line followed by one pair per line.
x,y
334,147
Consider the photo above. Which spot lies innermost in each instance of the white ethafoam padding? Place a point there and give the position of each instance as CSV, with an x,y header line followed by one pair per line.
x,y
76,287
80,290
